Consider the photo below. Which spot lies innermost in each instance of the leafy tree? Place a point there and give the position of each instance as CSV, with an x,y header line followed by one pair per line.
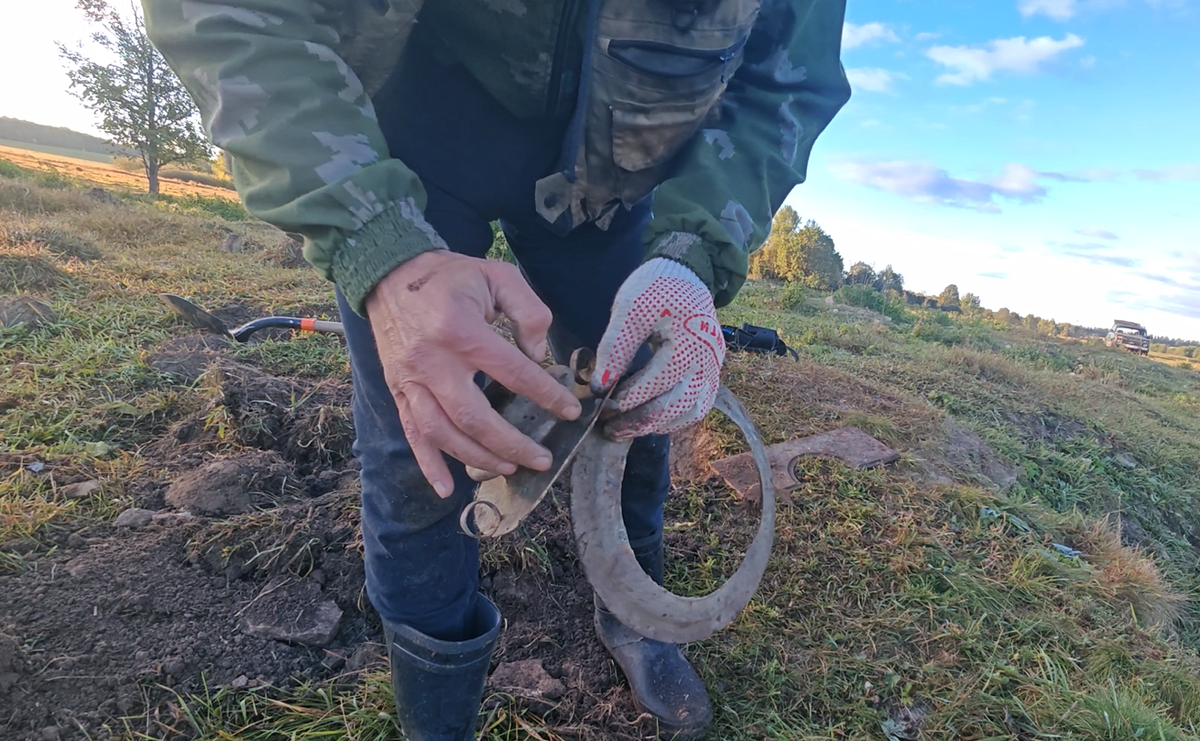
x,y
802,254
860,274
140,102
889,280
949,296
970,303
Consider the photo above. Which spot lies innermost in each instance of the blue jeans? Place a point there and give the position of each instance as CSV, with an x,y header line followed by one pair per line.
x,y
478,164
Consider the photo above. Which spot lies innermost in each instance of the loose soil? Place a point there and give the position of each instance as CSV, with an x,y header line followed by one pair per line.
x,y
101,635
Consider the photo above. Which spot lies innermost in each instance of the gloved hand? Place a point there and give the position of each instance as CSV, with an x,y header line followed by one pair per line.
x,y
665,302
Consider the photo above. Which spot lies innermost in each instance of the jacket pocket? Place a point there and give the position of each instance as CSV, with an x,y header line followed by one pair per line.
x,y
673,62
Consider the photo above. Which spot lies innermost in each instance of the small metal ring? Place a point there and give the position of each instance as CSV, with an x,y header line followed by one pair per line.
x,y
469,510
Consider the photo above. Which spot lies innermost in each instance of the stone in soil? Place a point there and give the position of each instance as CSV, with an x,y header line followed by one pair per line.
x,y
293,611
134,518
228,486
82,490
527,678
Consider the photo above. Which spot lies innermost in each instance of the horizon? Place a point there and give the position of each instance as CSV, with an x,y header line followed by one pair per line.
x,y
999,149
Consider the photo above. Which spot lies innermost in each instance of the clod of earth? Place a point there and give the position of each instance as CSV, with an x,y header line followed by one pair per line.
x,y
19,546
528,679
100,195
82,490
293,611
16,311
11,661
232,243
187,358
851,445
134,518
229,486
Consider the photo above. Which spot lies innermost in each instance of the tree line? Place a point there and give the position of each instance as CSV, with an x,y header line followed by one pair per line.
x,y
803,253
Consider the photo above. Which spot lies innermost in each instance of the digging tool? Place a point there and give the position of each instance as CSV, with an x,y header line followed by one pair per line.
x,y
501,502
201,319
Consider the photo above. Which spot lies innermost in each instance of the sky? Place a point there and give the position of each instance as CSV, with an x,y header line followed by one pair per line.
x,y
1042,154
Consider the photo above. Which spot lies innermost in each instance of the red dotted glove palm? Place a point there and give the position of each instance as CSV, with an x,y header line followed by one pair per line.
x,y
664,302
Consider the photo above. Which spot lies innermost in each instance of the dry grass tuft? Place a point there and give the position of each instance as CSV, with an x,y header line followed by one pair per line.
x,y
1130,578
33,199
60,242
988,366
28,272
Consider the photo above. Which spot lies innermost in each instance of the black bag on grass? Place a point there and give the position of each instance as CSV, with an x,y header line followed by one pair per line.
x,y
750,338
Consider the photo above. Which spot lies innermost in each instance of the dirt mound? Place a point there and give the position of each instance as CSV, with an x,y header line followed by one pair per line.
x,y
16,311
231,485
306,422
187,358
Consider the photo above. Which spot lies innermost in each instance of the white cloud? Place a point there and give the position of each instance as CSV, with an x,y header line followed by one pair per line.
x,y
873,79
854,35
926,183
924,36
1059,10
1169,173
1097,233
970,64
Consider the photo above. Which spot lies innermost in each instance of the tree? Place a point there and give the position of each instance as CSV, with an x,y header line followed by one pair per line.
x,y
802,254
970,303
140,101
889,280
861,274
949,296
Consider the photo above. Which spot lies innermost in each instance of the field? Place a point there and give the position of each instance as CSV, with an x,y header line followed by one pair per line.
x,y
84,167
73,154
1025,571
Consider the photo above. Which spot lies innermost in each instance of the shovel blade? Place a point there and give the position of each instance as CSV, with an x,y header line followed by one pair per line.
x,y
194,315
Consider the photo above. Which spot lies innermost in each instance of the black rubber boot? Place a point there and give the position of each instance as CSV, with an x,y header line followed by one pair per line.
x,y
664,684
438,685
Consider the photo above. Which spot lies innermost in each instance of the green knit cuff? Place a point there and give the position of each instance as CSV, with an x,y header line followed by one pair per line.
x,y
384,243
686,248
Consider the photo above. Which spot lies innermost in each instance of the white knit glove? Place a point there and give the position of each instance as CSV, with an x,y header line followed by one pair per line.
x,y
665,302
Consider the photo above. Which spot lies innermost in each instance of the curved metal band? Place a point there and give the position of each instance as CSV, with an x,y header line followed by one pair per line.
x,y
609,563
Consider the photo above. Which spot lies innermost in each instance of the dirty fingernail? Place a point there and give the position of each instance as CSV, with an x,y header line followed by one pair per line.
x,y
443,489
570,411
507,469
542,462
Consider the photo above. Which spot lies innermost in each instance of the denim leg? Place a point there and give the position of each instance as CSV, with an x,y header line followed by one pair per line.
x,y
421,570
578,276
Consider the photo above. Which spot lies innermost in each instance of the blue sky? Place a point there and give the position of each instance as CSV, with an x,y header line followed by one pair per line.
x,y
1043,154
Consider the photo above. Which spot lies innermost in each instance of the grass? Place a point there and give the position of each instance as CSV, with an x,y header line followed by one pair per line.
x,y
921,599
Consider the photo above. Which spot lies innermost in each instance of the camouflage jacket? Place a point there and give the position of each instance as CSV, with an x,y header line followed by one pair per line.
x,y
285,88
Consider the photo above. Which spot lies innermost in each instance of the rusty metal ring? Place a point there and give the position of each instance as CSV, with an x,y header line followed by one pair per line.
x,y
469,510
611,567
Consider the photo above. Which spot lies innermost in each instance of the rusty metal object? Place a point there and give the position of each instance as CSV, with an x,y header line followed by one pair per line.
x,y
850,445
501,502
611,567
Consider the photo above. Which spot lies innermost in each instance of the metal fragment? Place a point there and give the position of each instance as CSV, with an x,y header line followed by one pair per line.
x,y
851,445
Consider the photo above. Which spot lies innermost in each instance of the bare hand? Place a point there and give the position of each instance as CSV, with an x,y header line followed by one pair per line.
x,y
431,320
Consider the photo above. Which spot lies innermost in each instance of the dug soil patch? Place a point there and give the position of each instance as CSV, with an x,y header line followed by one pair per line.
x,y
242,571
